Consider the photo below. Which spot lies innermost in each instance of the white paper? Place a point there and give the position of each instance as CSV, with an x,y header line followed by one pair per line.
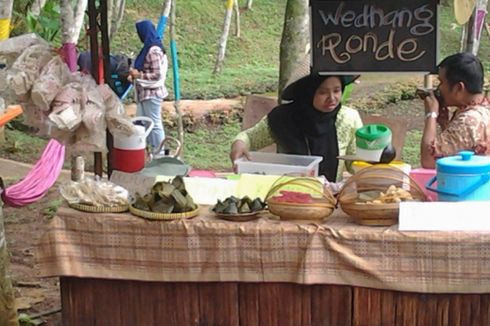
x,y
133,182
207,191
445,216
204,191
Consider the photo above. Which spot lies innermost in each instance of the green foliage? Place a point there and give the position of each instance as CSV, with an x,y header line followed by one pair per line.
x,y
411,149
50,210
26,320
208,148
47,24
251,62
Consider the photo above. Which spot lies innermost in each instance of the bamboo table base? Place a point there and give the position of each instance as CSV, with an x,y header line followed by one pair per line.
x,y
114,302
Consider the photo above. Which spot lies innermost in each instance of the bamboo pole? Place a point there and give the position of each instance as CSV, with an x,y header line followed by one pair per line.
x,y
162,22
175,70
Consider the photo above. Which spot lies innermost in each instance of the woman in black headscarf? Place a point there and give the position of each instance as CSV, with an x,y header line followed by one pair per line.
x,y
314,122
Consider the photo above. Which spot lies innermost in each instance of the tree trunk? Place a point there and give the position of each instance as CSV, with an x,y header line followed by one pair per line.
x,y
5,16
116,17
37,6
71,24
8,315
224,37
249,4
110,13
175,69
237,18
470,35
295,39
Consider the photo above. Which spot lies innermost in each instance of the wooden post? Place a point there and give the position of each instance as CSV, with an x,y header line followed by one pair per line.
x,y
104,21
100,66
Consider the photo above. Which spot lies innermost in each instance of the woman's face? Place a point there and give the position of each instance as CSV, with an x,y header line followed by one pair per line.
x,y
328,95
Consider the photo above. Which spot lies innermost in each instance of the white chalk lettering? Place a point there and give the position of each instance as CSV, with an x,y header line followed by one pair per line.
x,y
424,15
418,21
411,47
388,45
349,47
328,43
406,50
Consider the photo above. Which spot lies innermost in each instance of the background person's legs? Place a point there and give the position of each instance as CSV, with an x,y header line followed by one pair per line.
x,y
151,108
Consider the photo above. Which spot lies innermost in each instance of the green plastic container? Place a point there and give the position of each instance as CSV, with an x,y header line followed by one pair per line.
x,y
373,137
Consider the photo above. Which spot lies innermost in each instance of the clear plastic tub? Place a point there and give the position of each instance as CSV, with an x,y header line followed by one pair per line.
x,y
279,164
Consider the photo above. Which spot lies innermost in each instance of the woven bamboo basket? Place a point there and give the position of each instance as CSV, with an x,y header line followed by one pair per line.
x,y
162,216
242,217
377,179
99,209
322,206
372,214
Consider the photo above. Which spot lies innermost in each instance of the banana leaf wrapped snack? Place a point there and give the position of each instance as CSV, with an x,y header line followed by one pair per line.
x,y
233,205
166,197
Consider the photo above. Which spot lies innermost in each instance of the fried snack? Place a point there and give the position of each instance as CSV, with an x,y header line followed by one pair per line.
x,y
392,195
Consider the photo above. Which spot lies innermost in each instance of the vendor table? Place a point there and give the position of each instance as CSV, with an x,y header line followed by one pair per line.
x,y
117,269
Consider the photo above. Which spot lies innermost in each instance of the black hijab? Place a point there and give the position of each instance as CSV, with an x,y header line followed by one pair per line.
x,y
298,128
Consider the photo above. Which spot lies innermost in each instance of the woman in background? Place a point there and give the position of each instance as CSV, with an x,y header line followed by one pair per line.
x,y
149,72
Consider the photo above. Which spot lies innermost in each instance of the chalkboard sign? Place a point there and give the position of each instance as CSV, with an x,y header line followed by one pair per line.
x,y
374,36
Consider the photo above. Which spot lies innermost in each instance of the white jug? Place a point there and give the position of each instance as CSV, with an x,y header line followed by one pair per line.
x,y
137,140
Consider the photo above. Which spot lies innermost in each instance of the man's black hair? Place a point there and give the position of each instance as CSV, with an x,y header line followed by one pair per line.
x,y
466,68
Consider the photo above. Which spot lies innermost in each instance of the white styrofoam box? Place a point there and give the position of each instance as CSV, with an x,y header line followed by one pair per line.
x,y
279,164
444,216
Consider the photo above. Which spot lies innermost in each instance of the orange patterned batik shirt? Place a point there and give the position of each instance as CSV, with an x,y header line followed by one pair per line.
x,y
469,129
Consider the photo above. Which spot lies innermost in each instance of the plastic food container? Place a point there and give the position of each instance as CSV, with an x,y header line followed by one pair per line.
x,y
359,165
279,164
462,177
371,141
421,176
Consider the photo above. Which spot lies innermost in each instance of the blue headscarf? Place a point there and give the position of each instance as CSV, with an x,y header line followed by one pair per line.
x,y
148,35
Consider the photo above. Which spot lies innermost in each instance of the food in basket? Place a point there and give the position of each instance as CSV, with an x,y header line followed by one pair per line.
x,y
393,194
300,199
234,206
293,197
94,192
166,197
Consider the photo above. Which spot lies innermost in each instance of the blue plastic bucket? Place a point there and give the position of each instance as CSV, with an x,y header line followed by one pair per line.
x,y
462,177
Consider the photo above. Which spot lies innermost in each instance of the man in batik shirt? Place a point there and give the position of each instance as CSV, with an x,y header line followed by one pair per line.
x,y
461,86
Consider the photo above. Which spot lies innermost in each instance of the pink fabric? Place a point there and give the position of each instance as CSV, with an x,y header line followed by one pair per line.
x,y
69,52
202,173
38,181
